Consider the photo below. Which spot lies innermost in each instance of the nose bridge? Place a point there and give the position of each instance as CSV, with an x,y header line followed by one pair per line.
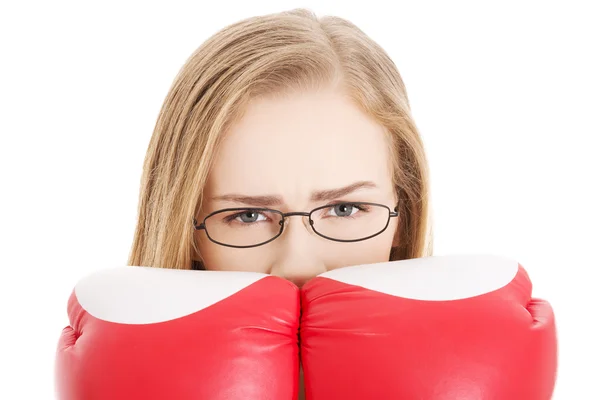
x,y
298,259
302,214
290,214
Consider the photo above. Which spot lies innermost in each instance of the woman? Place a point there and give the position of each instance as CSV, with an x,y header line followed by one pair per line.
x,y
276,114
283,104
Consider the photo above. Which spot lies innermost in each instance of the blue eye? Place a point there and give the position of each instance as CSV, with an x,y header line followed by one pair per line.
x,y
246,216
346,209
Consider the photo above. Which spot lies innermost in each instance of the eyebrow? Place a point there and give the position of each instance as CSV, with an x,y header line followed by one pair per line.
x,y
316,196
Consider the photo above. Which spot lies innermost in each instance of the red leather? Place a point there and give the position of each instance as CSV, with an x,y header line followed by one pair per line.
x,y
358,343
427,329
242,347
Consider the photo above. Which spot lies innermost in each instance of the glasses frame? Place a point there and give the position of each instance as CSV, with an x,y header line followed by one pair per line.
x,y
202,226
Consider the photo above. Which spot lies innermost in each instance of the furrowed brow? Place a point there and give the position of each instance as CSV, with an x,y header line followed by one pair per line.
x,y
316,196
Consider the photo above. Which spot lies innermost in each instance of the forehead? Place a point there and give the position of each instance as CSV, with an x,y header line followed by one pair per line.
x,y
302,142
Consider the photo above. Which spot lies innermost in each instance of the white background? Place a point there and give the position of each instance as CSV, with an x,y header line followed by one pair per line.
x,y
506,96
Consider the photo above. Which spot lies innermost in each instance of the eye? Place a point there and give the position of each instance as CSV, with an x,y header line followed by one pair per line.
x,y
247,216
344,210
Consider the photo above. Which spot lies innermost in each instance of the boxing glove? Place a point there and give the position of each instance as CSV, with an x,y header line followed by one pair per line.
x,y
152,333
433,328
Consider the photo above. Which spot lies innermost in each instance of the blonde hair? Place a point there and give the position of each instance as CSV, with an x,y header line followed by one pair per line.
x,y
262,56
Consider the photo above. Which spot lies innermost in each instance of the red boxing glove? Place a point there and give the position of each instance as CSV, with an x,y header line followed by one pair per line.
x,y
152,333
445,327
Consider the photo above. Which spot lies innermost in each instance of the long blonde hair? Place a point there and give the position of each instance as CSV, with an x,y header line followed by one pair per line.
x,y
258,56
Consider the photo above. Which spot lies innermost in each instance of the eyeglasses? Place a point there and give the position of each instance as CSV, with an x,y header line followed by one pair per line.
x,y
251,227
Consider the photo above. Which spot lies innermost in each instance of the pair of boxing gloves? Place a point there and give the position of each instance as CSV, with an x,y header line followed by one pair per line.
x,y
433,328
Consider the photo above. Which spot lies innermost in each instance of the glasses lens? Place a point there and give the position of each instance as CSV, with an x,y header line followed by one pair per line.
x,y
243,227
350,221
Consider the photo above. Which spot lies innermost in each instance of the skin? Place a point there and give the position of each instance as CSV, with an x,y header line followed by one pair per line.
x,y
289,147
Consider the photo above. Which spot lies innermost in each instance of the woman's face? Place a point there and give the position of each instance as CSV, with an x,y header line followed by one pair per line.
x,y
289,149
